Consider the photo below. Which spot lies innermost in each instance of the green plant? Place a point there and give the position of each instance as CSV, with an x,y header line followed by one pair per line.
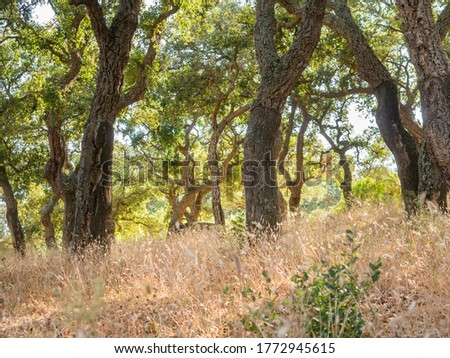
x,y
237,222
330,298
266,319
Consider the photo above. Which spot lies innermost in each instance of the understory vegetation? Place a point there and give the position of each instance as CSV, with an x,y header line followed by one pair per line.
x,y
211,283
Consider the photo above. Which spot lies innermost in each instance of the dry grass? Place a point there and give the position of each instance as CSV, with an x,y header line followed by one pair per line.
x,y
175,287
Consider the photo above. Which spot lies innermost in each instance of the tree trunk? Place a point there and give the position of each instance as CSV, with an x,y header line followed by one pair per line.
x,y
346,185
295,197
433,71
191,199
63,185
295,186
279,76
400,143
47,222
370,69
93,221
12,214
432,185
216,173
259,169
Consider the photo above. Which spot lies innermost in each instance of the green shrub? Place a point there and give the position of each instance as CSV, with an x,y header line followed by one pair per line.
x,y
330,298
327,300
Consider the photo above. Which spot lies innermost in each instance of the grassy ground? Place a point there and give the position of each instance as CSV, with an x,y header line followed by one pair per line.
x,y
191,285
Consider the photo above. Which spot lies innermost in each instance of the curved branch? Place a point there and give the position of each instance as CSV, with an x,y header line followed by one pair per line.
x,y
137,91
98,22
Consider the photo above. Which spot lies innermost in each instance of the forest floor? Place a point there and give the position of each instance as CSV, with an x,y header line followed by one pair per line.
x,y
212,284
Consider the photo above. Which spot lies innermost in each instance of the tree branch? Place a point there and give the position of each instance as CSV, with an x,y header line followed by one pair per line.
x,y
443,22
137,91
98,22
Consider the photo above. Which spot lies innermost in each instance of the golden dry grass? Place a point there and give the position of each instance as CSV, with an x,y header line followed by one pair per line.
x,y
175,287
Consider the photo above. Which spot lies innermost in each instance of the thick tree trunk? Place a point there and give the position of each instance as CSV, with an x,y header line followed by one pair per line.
x,y
433,71
259,169
12,214
279,76
432,185
93,221
400,142
68,197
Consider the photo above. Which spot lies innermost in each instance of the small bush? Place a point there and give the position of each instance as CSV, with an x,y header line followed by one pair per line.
x,y
327,300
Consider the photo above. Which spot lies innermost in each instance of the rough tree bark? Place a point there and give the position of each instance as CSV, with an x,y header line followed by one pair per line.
x,y
423,38
346,185
93,223
279,75
12,214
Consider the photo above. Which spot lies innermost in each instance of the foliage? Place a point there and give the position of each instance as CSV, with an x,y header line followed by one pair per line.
x,y
329,300
377,191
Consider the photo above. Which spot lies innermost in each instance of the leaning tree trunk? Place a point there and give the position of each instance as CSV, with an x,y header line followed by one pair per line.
x,y
371,69
12,214
63,184
55,172
400,142
433,71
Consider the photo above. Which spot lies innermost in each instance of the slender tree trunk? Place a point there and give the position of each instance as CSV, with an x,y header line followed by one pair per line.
x,y
12,214
63,185
346,185
47,222
295,186
216,173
